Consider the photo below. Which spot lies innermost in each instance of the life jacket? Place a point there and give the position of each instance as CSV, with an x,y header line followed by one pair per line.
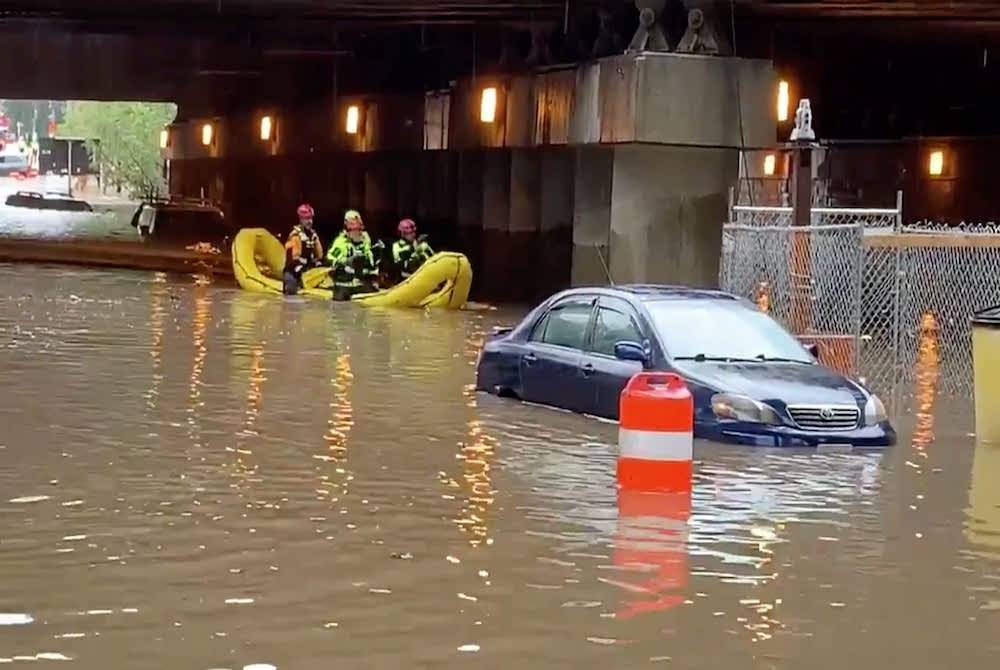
x,y
409,256
353,262
307,240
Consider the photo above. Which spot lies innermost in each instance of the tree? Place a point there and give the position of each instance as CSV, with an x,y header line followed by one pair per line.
x,y
123,139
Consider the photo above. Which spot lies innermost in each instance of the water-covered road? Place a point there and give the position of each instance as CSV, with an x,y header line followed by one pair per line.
x,y
109,220
196,477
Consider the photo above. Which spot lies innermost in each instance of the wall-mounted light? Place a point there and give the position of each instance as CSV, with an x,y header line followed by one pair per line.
x,y
164,138
769,162
935,163
266,128
783,101
353,120
207,132
488,105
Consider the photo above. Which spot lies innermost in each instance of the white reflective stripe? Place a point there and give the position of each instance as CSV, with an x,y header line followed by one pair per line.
x,y
655,446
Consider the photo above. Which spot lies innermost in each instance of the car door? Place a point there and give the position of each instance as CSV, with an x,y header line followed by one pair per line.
x,y
550,366
614,321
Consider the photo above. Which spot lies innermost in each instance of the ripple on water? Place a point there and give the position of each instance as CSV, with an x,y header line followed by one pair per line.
x,y
217,435
15,619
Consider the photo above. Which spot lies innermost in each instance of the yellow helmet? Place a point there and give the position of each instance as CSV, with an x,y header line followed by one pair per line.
x,y
352,215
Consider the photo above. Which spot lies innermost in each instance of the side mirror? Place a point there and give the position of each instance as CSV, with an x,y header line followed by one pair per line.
x,y
631,351
813,350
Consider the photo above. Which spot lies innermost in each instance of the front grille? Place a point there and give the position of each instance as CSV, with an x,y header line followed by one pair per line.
x,y
825,417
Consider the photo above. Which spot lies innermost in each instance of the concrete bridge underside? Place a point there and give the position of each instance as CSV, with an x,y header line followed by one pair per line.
x,y
619,167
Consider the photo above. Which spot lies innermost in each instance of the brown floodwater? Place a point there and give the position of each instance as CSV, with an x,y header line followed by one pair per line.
x,y
196,477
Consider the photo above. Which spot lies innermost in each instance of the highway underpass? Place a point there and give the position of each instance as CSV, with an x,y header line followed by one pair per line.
x,y
594,165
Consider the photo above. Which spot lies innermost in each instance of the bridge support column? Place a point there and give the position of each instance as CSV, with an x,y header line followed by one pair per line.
x,y
668,206
594,171
650,207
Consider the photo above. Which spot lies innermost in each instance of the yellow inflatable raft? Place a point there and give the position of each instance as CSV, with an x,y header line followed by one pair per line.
x,y
443,281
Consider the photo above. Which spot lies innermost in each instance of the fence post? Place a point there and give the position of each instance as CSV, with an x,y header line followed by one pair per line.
x,y
859,295
802,141
897,298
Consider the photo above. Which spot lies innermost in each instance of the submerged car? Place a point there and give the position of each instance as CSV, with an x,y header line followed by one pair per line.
x,y
753,383
182,221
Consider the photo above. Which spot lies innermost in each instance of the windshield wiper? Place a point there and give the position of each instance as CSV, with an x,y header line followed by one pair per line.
x,y
759,358
698,358
779,359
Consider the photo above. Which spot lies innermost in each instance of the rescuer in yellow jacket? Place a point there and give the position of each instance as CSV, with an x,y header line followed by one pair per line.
x,y
352,259
409,252
303,250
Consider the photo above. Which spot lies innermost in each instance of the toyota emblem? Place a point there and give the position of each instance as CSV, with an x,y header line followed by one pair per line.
x,y
826,413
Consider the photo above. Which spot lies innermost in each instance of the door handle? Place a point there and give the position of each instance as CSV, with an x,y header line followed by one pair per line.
x,y
587,370
529,359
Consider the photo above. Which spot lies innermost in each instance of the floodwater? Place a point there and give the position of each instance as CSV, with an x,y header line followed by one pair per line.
x,y
197,477
109,220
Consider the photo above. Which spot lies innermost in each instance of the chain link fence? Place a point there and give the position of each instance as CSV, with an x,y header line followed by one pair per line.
x,y
947,272
869,290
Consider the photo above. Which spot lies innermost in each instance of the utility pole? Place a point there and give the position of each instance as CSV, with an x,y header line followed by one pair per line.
x,y
801,145
69,167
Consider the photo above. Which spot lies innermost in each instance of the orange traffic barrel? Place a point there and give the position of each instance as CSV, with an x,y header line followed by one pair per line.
x,y
655,433
652,542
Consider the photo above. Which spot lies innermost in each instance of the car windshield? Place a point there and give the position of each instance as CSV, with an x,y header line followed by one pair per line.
x,y
722,330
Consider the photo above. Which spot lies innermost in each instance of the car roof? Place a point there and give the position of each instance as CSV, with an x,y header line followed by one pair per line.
x,y
651,292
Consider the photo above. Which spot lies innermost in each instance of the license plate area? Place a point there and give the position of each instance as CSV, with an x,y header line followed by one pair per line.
x,y
835,448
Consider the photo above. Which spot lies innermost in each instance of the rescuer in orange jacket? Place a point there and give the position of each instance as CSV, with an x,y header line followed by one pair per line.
x,y
303,250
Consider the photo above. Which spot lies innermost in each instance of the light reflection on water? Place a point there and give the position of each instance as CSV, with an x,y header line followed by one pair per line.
x,y
213,478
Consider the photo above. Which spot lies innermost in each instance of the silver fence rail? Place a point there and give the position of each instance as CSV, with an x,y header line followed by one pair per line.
x,y
879,297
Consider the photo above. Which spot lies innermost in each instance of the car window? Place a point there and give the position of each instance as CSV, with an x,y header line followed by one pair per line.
x,y
722,329
610,328
564,326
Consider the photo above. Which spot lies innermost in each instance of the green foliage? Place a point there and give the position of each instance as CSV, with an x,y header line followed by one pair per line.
x,y
124,139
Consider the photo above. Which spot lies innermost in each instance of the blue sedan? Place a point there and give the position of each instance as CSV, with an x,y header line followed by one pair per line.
x,y
753,382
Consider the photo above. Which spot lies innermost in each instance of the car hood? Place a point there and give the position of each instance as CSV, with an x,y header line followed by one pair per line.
x,y
787,383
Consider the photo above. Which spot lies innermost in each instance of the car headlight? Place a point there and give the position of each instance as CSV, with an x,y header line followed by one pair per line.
x,y
874,411
742,408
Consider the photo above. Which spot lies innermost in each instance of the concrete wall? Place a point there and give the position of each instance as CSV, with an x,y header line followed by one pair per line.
x,y
616,170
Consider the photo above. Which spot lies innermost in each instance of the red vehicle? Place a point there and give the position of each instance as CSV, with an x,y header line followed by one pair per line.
x,y
5,135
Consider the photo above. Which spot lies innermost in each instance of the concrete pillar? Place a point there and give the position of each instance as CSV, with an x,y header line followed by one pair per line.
x,y
496,224
558,181
594,170
469,211
668,205
524,253
408,191
380,195
436,194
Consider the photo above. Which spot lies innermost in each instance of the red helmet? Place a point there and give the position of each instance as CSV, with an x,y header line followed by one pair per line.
x,y
305,211
407,226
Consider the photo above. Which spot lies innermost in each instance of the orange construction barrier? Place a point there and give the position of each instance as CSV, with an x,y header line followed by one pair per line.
x,y
652,539
655,433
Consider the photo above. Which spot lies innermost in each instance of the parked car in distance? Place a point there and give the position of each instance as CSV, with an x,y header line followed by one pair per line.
x,y
11,163
181,222
753,383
